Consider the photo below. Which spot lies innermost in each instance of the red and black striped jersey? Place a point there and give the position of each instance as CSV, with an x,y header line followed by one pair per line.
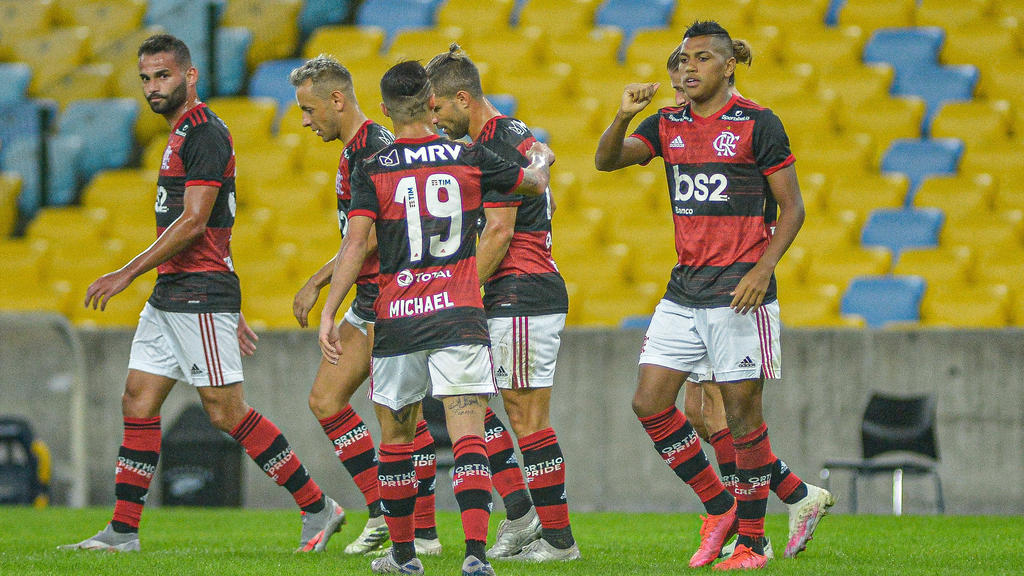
x,y
200,278
717,170
425,195
527,282
370,138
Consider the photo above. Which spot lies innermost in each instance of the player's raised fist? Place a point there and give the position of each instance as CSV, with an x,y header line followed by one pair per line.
x,y
543,151
636,97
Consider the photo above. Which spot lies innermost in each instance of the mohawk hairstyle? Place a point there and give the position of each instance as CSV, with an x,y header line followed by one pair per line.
x,y
167,43
452,71
406,91
715,30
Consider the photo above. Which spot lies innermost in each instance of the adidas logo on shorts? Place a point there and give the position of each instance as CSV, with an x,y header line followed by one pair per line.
x,y
501,372
196,370
747,363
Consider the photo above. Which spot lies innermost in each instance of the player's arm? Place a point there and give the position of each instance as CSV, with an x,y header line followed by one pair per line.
x,y
785,188
495,239
537,175
188,227
347,264
614,150
306,297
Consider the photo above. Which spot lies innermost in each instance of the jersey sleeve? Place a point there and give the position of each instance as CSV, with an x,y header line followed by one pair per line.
x,y
771,144
364,194
506,150
205,154
648,132
497,175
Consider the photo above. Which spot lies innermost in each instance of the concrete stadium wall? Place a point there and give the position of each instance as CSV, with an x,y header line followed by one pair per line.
x,y
813,413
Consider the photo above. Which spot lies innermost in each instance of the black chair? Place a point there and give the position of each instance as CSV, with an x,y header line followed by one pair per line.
x,y
897,437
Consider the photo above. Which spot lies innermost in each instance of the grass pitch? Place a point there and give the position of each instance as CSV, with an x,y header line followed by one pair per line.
x,y
228,542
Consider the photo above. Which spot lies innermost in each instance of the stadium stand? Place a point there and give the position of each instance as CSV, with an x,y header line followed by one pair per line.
x,y
317,13
900,229
106,129
920,158
396,15
14,80
232,53
882,300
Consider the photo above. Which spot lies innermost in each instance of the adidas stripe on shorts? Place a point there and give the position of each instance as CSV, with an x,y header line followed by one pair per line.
x,y
715,340
198,348
524,350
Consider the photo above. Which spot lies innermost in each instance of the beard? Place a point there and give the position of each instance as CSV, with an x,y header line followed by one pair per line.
x,y
169,102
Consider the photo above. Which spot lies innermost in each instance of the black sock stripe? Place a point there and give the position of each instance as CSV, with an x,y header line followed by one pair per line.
x,y
297,480
130,493
548,496
473,500
360,462
279,445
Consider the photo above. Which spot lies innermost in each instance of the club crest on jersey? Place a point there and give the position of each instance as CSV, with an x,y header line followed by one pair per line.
x,y
391,159
725,143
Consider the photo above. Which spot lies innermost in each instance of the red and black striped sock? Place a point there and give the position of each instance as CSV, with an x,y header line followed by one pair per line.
x,y
786,484
268,447
677,442
398,487
425,461
545,475
507,477
136,463
725,454
471,481
754,460
353,445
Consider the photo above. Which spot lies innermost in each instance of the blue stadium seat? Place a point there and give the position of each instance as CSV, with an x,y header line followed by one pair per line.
x,y
107,126
271,80
505,103
395,15
633,15
191,21
14,80
540,134
63,154
905,49
920,158
832,14
317,13
901,229
936,85
232,52
884,299
19,120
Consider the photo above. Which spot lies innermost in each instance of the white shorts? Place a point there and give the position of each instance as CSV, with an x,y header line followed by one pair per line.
x,y
356,320
524,350
703,341
201,349
398,381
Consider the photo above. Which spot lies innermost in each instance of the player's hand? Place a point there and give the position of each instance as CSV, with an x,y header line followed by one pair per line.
x,y
304,301
247,339
636,97
329,340
542,150
749,293
105,287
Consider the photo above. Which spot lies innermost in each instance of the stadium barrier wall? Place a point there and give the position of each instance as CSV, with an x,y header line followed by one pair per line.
x,y
813,413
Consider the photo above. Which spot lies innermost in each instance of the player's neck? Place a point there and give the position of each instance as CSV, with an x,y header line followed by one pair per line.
x,y
711,105
174,117
350,126
419,128
479,115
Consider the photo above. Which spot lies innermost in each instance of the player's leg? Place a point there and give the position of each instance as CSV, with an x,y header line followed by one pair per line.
x,y
672,350
424,457
462,379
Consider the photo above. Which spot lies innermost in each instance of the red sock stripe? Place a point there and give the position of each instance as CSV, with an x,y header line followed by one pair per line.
x,y
507,478
470,444
754,459
537,440
764,334
660,425
242,430
545,475
706,484
398,487
425,462
340,421
353,445
128,513
472,486
142,434
211,351
310,493
787,486
725,450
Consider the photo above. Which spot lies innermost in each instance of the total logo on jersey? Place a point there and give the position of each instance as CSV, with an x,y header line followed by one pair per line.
x,y
405,278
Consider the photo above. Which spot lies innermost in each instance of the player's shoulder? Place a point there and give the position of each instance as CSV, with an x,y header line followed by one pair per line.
x,y
201,120
744,109
378,136
675,113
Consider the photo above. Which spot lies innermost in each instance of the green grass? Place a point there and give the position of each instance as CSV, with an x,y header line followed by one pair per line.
x,y
229,542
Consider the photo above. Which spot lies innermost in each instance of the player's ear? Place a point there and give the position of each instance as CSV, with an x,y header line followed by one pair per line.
x,y
339,100
730,66
191,77
384,109
463,98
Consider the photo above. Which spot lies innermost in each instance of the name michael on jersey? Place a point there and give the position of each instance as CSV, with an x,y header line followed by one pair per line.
x,y
415,306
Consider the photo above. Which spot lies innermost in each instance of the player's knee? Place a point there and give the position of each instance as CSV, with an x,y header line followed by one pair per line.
x,y
224,418
643,405
323,406
135,404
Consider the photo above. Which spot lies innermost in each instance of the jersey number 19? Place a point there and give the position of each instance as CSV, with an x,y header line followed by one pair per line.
x,y
450,208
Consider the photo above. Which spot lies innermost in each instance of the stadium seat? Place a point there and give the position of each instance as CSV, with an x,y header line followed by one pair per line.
x,y
57,225
316,13
423,43
276,22
63,170
943,13
477,18
1006,161
897,436
827,48
840,267
859,85
735,15
25,119
803,115
846,154
396,15
347,43
1001,229
520,50
127,191
881,300
1000,265
88,81
106,19
937,266
1002,78
810,306
598,48
25,18
270,80
977,43
10,188
836,230
107,128
874,14
937,85
886,120
232,53
905,49
769,84
634,15
900,229
191,21
806,16
920,158
963,196
603,305
559,17
979,123
863,193
52,55
505,103
14,81
249,119
959,306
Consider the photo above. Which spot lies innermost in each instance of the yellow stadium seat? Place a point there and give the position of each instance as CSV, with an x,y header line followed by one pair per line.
x,y
588,226
20,18
585,265
297,199
653,46
107,19
597,48
423,43
573,121
846,154
604,304
769,84
86,81
792,269
943,265
655,261
347,43
10,188
123,191
837,230
735,15
1000,267
977,43
559,17
251,236
634,194
803,16
885,120
274,24
122,311
865,193
84,260
1002,229
979,123
873,14
61,224
803,115
519,49
272,162
814,189
957,306
1002,77
23,258
1006,161
946,14
19,294
52,55
247,118
1010,195
826,48
319,228
478,18
959,196
839,267
809,306
858,85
